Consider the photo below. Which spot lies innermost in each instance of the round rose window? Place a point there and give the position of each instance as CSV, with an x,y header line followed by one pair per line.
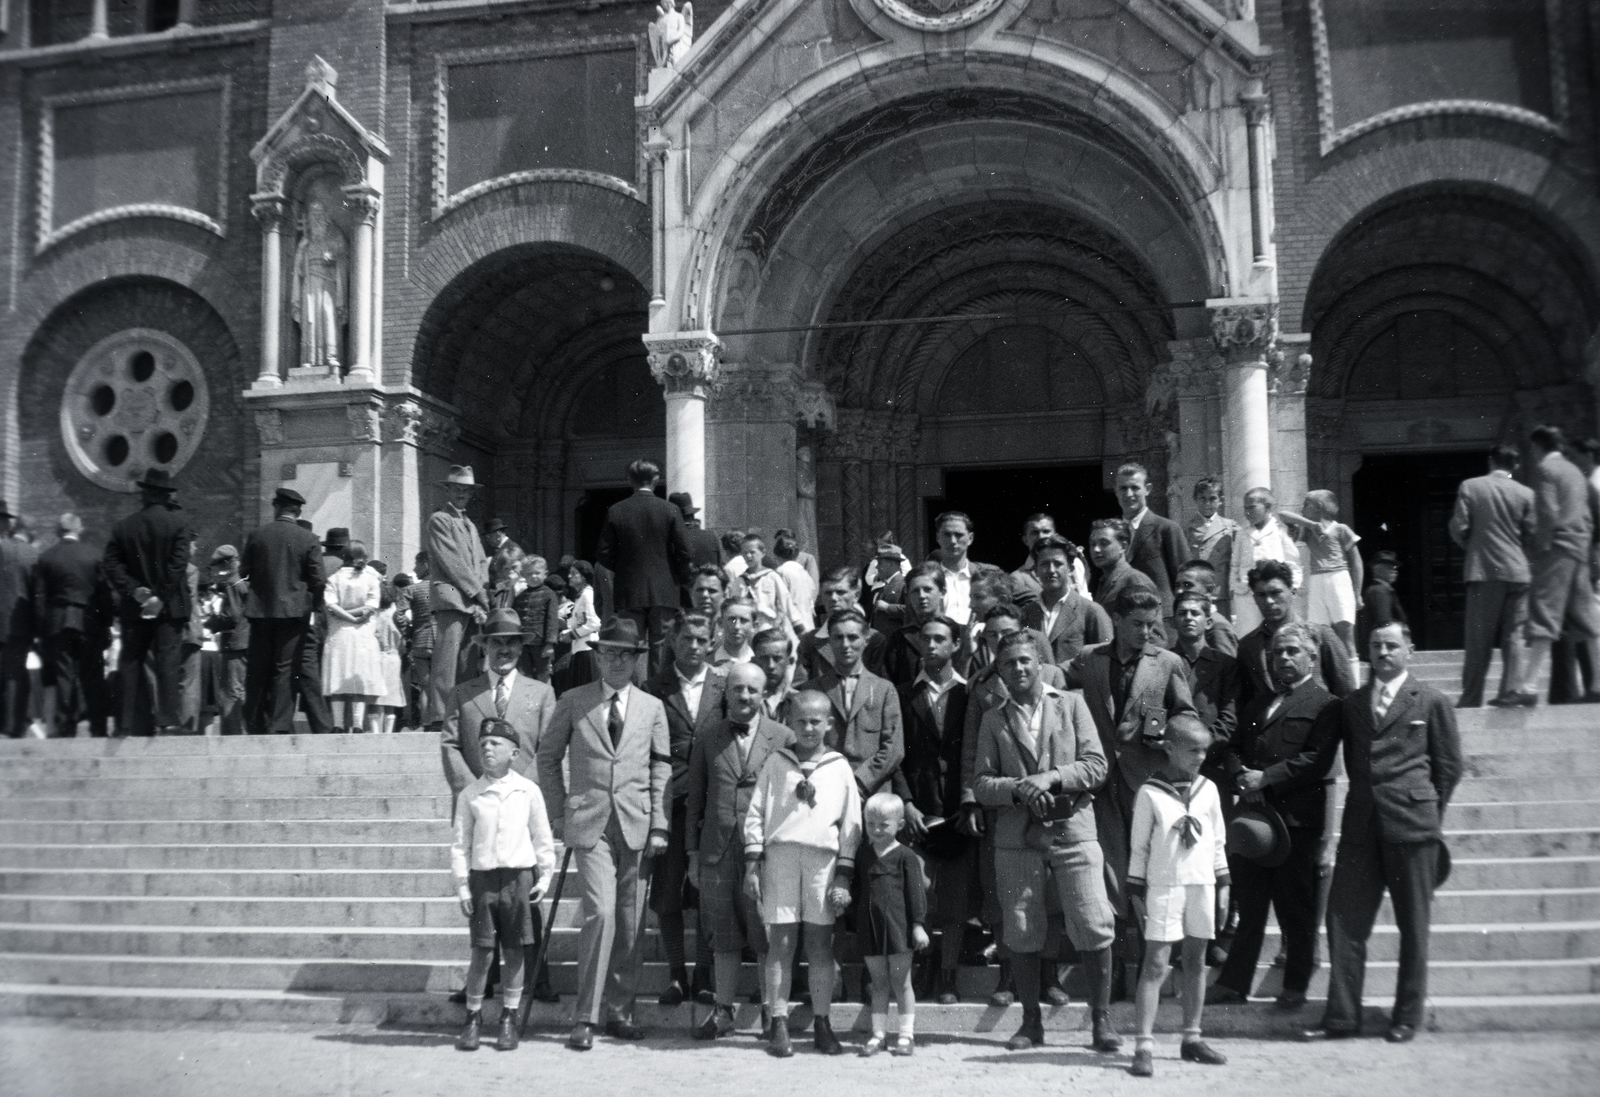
x,y
136,401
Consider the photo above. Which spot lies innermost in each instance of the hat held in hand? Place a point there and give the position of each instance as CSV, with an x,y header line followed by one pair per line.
x,y
1258,834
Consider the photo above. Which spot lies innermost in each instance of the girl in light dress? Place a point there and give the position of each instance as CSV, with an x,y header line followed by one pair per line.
x,y
393,697
352,671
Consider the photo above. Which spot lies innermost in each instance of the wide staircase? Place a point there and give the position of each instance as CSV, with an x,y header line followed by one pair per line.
x,y
306,879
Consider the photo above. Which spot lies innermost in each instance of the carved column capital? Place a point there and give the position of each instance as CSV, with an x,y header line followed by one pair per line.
x,y
366,200
814,406
269,209
366,420
1255,101
1193,368
1243,328
402,422
685,361
1288,371
438,433
269,425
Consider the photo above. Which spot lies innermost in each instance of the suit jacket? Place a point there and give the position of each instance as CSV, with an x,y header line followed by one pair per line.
x,y
929,775
229,622
1294,748
1068,744
629,779
69,589
1403,770
1563,509
1214,688
682,725
705,548
529,711
1331,670
1494,522
1161,681
902,655
458,566
1220,635
18,560
1123,574
1079,624
284,565
816,656
1380,606
151,549
1159,550
869,733
985,693
539,609
719,785
643,542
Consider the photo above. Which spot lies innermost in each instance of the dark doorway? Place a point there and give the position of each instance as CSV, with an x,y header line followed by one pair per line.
x,y
999,500
1403,502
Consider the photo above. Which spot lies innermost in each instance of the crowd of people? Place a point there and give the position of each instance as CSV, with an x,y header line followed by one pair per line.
x,y
1117,756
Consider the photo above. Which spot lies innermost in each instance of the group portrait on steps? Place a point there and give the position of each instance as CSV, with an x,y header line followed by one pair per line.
x,y
1119,757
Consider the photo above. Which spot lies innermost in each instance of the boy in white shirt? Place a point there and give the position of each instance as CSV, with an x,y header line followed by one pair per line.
x,y
1178,884
501,859
767,590
1261,537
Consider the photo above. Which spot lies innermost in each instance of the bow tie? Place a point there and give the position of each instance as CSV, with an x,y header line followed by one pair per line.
x,y
741,730
1189,829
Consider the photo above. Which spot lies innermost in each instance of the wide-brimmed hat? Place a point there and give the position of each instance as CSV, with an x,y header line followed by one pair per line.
x,y
157,480
684,502
495,525
503,622
289,496
337,540
621,632
460,474
1258,834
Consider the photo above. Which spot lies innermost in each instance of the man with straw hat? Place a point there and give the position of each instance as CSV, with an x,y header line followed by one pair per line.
x,y
459,595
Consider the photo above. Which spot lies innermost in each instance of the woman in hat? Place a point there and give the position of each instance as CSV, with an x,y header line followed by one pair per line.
x,y
352,665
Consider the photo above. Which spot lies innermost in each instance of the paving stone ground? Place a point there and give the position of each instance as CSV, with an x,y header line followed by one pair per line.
x,y
67,1059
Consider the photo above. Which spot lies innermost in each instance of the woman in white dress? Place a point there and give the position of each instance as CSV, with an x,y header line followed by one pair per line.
x,y
352,666
581,624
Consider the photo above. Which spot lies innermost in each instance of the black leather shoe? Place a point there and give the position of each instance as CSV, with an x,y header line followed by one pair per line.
x,y
620,1028
1516,700
581,1038
1220,995
1004,993
822,1035
471,1035
1105,1034
1290,1000
674,995
1312,1035
1198,1051
719,1022
1143,1065
1030,1035
778,1045
1400,1034
947,994
1050,992
508,1031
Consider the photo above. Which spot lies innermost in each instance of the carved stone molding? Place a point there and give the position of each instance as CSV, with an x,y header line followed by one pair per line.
x,y
685,361
366,420
366,201
1141,430
863,435
1243,329
1193,369
771,394
402,422
269,425
438,433
1288,373
271,210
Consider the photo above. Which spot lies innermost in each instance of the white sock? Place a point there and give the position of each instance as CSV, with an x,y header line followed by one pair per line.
x,y
474,1004
1144,1043
511,999
908,1024
880,1024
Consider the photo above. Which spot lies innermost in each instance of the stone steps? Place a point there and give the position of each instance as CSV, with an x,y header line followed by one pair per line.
x,y
222,832
355,808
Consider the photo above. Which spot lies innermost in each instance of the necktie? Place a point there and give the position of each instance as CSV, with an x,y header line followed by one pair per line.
x,y
1380,703
850,681
614,721
502,697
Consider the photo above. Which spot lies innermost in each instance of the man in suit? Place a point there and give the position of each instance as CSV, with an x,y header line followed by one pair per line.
x,y
1132,686
1272,590
841,590
1561,599
613,814
705,548
17,561
721,776
69,597
1281,757
691,689
1069,620
1403,757
644,543
1039,749
282,561
1108,551
147,563
924,595
866,725
459,596
1213,680
1380,603
1494,523
1159,546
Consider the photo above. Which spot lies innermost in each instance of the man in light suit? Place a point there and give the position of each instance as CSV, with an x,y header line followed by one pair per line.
x,y
720,778
1403,755
866,725
1159,546
1494,522
613,814
644,543
459,594
1068,619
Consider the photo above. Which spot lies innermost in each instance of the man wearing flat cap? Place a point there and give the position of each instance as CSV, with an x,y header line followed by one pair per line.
x,y
460,595
612,813
283,563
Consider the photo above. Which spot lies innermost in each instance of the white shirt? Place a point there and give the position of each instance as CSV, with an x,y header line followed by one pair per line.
x,y
691,689
958,593
1133,523
1383,693
1033,721
1052,613
1156,853
1270,542
501,823
937,691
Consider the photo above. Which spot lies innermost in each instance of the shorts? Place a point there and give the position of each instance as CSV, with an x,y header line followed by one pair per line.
x,y
1330,598
727,915
1176,911
794,884
501,913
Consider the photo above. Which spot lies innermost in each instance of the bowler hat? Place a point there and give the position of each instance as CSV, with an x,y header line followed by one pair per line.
x,y
289,497
495,525
503,622
337,540
1258,834
621,632
460,474
157,480
684,502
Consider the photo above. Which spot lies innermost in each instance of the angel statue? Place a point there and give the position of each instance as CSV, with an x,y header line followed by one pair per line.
x,y
672,33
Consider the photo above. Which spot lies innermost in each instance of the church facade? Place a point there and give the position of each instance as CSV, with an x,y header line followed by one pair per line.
x,y
839,264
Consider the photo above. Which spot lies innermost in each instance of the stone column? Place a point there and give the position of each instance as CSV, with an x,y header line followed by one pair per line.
x,y
1289,372
656,148
1243,329
188,11
686,364
1257,105
366,201
270,210
99,20
1192,379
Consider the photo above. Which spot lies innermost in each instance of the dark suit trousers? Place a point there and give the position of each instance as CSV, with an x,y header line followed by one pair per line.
x,y
15,686
78,664
161,640
1291,891
269,680
1363,871
654,622
308,684
1496,612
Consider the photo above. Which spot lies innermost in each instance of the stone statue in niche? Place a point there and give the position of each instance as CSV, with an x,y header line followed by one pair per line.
x,y
320,290
672,33
805,490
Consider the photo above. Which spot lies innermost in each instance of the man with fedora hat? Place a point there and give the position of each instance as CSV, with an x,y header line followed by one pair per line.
x,y
705,548
1279,759
283,564
613,813
459,595
643,542
147,565
1403,754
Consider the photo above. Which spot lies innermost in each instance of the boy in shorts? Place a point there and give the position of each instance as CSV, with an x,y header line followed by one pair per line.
x,y
1177,884
501,860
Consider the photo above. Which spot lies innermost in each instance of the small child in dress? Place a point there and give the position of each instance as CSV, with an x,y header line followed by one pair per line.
x,y
892,922
1336,568
1178,884
502,859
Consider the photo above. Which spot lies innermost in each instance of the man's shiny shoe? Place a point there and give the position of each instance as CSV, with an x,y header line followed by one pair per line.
x,y
779,1045
1105,1036
581,1038
1401,1034
472,1033
1313,1035
1198,1051
1030,1035
674,995
508,1032
620,1028
719,1022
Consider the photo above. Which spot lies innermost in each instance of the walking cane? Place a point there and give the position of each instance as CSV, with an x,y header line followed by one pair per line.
x,y
544,944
